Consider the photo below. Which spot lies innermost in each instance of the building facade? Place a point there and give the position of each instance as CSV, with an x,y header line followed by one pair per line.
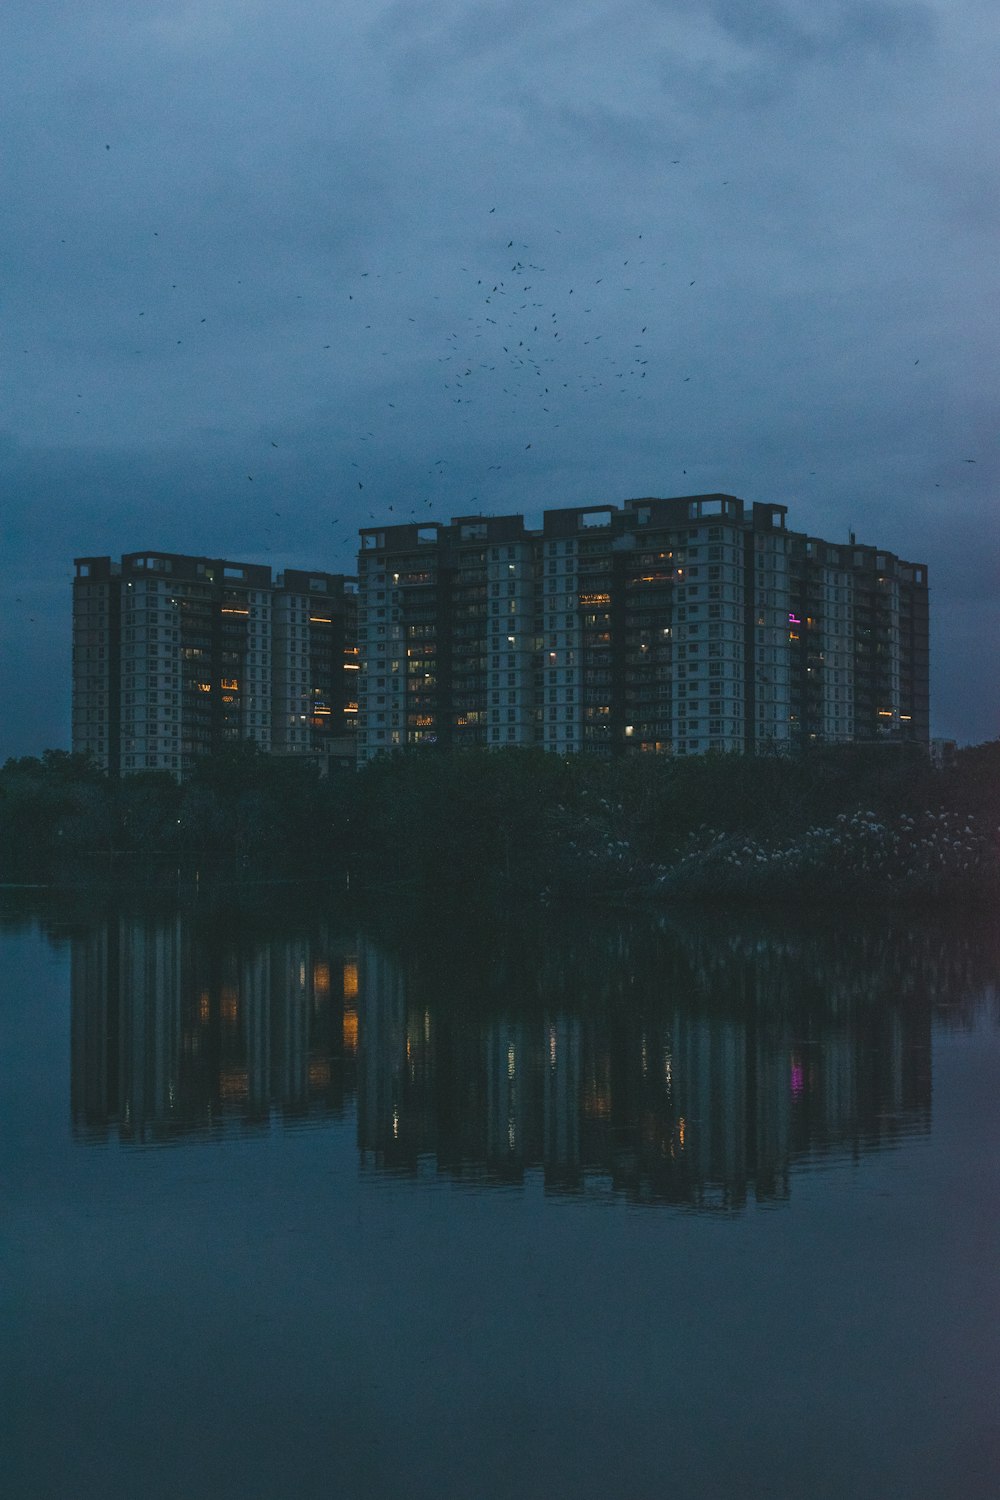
x,y
672,626
174,656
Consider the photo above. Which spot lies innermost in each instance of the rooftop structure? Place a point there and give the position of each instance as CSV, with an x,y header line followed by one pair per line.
x,y
671,626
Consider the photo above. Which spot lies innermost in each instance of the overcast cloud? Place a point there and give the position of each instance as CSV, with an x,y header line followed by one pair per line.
x,y
672,245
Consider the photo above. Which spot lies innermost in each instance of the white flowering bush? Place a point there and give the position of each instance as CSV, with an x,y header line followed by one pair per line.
x,y
858,850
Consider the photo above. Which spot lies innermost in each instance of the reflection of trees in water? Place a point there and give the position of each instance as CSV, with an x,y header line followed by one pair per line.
x,y
715,959
690,1063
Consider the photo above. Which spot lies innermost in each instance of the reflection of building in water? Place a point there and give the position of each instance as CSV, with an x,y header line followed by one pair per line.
x,y
174,1031
672,1102
682,1076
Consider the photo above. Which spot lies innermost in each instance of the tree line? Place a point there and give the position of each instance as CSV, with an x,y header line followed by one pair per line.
x,y
523,818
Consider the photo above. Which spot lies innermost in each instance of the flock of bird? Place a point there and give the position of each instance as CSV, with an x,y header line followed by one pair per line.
x,y
488,358
512,355
520,345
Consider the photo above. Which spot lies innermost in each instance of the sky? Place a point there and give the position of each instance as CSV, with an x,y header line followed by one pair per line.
x,y
271,273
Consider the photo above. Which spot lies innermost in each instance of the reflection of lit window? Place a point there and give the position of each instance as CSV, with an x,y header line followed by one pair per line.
x,y
350,979
319,1072
349,1031
321,979
233,1084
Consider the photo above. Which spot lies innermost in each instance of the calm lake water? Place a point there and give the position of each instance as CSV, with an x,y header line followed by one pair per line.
x,y
310,1203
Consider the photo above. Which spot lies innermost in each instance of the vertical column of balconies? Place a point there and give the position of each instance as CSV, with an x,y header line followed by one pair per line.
x,y
393,626
151,678
195,607
722,575
470,587
258,717
231,619
836,718
767,611
570,717
648,585
508,703
425,621
96,664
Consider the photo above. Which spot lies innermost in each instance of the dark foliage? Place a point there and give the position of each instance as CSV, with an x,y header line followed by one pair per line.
x,y
469,821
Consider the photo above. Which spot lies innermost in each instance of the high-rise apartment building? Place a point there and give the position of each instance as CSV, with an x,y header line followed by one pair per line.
x,y
173,656
667,625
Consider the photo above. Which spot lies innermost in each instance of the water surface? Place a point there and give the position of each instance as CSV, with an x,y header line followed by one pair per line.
x,y
413,1204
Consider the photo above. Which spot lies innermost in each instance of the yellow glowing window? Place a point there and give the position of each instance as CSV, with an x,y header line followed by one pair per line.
x,y
231,683
350,980
203,687
321,978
